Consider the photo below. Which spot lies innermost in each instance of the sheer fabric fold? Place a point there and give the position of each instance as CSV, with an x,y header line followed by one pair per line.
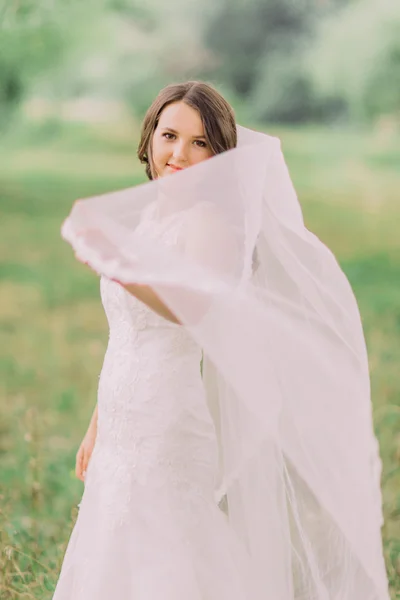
x,y
285,366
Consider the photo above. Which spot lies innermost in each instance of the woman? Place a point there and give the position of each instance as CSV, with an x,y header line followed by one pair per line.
x,y
259,477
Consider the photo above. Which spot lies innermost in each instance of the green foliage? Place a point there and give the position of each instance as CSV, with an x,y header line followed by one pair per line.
x,y
59,49
28,44
260,48
279,57
302,61
282,92
358,60
270,26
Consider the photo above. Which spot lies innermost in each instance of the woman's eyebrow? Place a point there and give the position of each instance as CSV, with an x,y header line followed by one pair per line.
x,y
174,131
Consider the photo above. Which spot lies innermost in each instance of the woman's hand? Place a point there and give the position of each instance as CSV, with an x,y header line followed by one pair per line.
x,y
84,453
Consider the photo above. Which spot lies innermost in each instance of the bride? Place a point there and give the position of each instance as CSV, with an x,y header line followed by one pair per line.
x,y
231,453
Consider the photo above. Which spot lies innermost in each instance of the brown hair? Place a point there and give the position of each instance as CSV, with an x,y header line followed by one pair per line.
x,y
216,114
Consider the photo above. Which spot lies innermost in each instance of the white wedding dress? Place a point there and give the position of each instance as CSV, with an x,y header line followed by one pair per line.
x,y
148,526
278,427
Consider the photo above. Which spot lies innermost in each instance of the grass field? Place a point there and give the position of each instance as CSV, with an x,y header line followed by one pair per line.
x,y
53,331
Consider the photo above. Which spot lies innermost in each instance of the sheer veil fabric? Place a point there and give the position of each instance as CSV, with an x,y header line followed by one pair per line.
x,y
285,363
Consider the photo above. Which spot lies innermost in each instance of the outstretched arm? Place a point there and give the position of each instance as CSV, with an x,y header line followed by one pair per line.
x,y
207,242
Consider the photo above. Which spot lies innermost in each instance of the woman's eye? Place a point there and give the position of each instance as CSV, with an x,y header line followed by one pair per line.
x,y
172,136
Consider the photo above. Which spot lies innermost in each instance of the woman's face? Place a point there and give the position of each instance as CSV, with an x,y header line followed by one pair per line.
x,y
179,139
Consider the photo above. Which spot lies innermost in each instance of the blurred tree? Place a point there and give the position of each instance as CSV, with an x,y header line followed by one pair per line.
x,y
241,33
277,58
29,41
283,92
358,62
125,50
258,47
44,44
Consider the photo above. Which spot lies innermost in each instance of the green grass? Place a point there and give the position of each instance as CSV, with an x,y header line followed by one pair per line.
x,y
53,331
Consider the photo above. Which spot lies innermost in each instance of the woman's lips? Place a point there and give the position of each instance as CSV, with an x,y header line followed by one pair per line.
x,y
174,167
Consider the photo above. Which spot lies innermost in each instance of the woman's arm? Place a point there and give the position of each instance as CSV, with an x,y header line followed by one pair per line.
x,y
86,448
93,421
146,294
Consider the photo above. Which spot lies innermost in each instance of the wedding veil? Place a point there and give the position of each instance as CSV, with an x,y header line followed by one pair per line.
x,y
285,368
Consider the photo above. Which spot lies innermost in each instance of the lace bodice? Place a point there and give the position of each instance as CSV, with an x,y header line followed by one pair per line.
x,y
154,426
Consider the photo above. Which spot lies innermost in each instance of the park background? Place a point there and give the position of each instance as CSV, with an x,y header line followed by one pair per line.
x,y
75,80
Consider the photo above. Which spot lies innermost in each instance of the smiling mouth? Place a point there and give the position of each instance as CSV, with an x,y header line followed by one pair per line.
x,y
174,167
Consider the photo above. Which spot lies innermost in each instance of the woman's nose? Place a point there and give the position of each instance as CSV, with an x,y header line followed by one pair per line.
x,y
180,151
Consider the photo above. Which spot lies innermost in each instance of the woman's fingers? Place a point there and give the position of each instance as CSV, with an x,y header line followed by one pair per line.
x,y
79,463
85,463
83,457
